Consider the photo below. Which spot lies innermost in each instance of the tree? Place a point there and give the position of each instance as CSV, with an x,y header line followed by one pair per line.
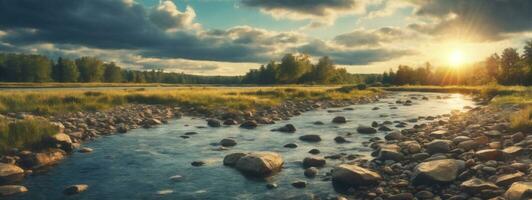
x,y
112,73
292,68
90,69
511,69
324,71
65,71
492,64
527,57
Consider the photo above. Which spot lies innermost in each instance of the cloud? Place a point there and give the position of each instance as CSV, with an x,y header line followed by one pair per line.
x,y
478,20
166,16
372,38
349,56
324,12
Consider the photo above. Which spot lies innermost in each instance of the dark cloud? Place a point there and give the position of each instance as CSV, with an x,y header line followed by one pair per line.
x,y
113,24
369,38
477,19
310,7
352,56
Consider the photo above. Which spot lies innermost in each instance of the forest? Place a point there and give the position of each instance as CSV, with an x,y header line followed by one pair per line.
x,y
509,68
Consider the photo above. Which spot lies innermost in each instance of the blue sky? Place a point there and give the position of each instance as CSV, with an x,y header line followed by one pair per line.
x,y
229,37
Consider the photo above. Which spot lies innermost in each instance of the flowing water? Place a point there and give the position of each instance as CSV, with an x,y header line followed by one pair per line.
x,y
138,165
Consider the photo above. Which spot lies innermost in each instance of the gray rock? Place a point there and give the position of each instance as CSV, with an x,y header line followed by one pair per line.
x,y
260,163
437,171
311,172
339,120
438,146
366,130
353,175
228,142
214,123
313,162
310,138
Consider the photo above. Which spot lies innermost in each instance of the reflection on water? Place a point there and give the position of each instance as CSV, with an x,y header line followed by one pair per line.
x,y
138,165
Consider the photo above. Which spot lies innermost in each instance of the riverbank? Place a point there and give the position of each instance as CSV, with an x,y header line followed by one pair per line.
x,y
86,121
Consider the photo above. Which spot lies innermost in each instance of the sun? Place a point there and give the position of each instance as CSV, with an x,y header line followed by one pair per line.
x,y
456,58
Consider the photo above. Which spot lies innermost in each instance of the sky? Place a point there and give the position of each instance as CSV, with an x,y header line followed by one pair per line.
x,y
229,37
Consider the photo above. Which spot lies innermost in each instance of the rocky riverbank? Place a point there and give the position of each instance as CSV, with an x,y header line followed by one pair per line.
x,y
471,155
76,128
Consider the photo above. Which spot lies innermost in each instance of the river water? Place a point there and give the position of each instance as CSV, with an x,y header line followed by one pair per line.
x,y
138,165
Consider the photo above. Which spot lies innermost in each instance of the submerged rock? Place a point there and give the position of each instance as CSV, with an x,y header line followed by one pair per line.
x,y
339,120
10,173
289,128
313,162
249,125
310,138
214,123
75,189
228,142
366,129
7,190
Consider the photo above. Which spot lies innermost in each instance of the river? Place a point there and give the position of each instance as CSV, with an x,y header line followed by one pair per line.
x,y
138,165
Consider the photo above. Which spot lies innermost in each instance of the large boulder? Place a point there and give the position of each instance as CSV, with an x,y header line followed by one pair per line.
x,y
519,191
6,190
60,140
352,175
230,160
437,171
260,163
390,152
366,129
10,173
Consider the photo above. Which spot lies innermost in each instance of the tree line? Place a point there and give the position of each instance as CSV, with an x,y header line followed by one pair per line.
x,y
510,68
298,69
38,68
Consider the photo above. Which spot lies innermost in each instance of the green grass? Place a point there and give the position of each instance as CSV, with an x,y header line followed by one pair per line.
x,y
231,98
24,134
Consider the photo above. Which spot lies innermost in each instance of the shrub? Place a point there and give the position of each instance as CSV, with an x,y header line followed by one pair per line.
x,y
522,119
26,133
362,86
92,94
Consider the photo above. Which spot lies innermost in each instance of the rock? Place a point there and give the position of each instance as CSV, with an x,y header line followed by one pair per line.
x,y
489,154
318,123
340,139
374,124
366,130
42,159
476,185
412,147
271,186
402,196
122,129
314,151
260,163
61,141
228,142
249,125
313,162
512,151
197,163
519,191
7,190
384,128
10,173
191,133
289,128
310,138
75,189
352,175
291,145
230,122
176,178
467,145
311,172
424,194
214,123
339,120
437,171
508,179
438,146
230,160
396,135
85,150
438,134
390,152
299,184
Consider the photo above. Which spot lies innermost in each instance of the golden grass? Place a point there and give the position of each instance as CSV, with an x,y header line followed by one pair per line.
x,y
241,98
522,119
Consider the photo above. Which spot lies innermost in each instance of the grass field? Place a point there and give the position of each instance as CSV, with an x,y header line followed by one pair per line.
x,y
50,102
